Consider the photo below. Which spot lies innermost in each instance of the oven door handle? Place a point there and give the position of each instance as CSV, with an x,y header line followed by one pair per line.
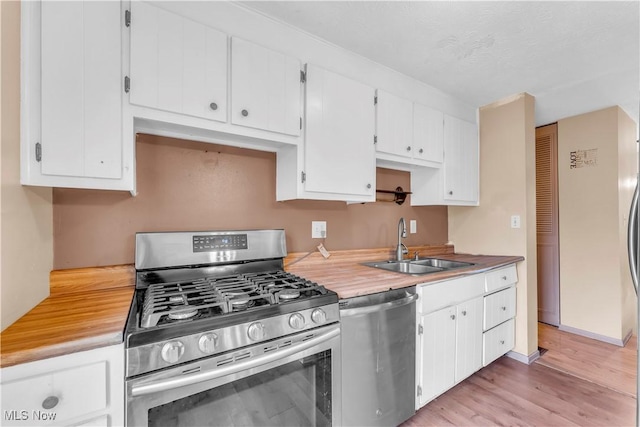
x,y
186,380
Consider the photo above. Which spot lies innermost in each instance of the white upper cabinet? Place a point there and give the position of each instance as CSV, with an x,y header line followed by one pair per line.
x,y
394,125
72,94
408,134
337,160
265,88
461,160
428,134
177,64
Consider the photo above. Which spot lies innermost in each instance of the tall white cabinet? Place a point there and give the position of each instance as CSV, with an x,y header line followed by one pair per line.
x,y
72,129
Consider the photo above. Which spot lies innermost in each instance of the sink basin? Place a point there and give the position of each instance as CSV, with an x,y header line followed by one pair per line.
x,y
418,267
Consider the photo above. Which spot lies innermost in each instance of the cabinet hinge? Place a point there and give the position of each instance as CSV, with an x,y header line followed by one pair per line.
x,y
375,139
127,18
303,176
419,391
420,330
127,84
300,122
38,152
375,100
303,77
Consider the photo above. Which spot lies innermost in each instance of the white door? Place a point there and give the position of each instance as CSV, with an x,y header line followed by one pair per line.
x,y
438,348
177,64
81,89
461,160
468,338
340,122
265,88
428,130
394,117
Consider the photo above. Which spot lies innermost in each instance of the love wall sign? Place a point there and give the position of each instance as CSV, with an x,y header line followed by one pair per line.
x,y
583,158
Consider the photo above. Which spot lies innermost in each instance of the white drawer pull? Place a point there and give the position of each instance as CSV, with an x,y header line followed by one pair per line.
x,y
504,277
504,308
50,402
501,341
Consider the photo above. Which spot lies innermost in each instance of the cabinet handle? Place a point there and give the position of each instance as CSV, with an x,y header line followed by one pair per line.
x,y
450,193
245,113
501,341
368,185
50,402
464,312
213,106
504,277
421,151
504,308
409,148
453,317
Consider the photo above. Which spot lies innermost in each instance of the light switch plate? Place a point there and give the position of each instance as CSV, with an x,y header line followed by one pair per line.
x,y
318,229
515,221
413,226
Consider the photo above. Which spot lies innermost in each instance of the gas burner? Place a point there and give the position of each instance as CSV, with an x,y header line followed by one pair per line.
x,y
288,294
177,299
182,313
241,304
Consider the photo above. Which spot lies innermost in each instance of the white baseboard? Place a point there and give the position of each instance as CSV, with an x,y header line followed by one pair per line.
x,y
593,335
523,358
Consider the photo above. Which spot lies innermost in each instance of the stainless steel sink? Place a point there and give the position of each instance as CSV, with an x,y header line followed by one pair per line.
x,y
418,267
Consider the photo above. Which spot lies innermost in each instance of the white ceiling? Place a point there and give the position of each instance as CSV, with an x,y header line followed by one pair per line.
x,y
573,56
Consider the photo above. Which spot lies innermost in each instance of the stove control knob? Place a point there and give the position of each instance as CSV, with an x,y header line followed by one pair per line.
x,y
318,316
257,331
172,351
296,321
207,343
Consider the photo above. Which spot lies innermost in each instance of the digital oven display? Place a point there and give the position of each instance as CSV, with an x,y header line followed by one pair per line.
x,y
226,242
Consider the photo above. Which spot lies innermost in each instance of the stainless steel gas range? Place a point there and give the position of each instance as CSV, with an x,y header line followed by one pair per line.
x,y
220,334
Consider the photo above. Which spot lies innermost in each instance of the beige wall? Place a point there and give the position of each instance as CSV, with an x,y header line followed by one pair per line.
x,y
26,225
184,185
596,294
507,187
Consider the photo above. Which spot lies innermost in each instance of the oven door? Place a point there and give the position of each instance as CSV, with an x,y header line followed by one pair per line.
x,y
289,381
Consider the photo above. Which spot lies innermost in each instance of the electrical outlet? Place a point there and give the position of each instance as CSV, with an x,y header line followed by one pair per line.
x,y
318,229
413,226
515,221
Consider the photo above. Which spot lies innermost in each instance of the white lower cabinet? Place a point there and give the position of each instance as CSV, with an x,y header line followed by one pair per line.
x,y
85,388
461,328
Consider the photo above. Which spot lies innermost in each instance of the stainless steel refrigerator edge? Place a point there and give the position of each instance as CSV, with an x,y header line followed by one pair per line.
x,y
633,238
378,358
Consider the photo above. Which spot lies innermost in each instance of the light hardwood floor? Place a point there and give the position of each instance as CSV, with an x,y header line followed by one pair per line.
x,y
578,381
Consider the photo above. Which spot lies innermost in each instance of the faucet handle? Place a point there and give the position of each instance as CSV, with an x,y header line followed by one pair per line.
x,y
404,249
415,256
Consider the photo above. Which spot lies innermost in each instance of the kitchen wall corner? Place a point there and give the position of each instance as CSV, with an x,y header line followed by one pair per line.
x,y
507,187
26,227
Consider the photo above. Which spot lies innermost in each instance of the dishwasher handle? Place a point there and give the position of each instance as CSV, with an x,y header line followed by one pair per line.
x,y
376,307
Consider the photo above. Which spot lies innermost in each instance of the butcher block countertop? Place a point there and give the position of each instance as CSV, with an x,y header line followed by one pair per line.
x,y
344,273
87,308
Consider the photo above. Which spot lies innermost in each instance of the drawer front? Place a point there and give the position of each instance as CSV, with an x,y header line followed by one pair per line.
x,y
498,341
500,278
55,396
449,292
499,307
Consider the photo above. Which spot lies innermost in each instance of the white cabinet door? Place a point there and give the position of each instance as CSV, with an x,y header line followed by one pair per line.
x,y
437,359
340,122
468,338
177,64
81,89
394,121
461,160
265,88
498,341
428,130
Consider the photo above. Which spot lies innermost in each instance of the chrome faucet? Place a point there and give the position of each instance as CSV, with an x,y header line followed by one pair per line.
x,y
401,249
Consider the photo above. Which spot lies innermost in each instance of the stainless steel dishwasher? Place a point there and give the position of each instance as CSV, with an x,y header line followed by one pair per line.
x,y
378,358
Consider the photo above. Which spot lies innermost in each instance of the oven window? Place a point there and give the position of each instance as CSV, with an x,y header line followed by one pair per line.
x,y
295,394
